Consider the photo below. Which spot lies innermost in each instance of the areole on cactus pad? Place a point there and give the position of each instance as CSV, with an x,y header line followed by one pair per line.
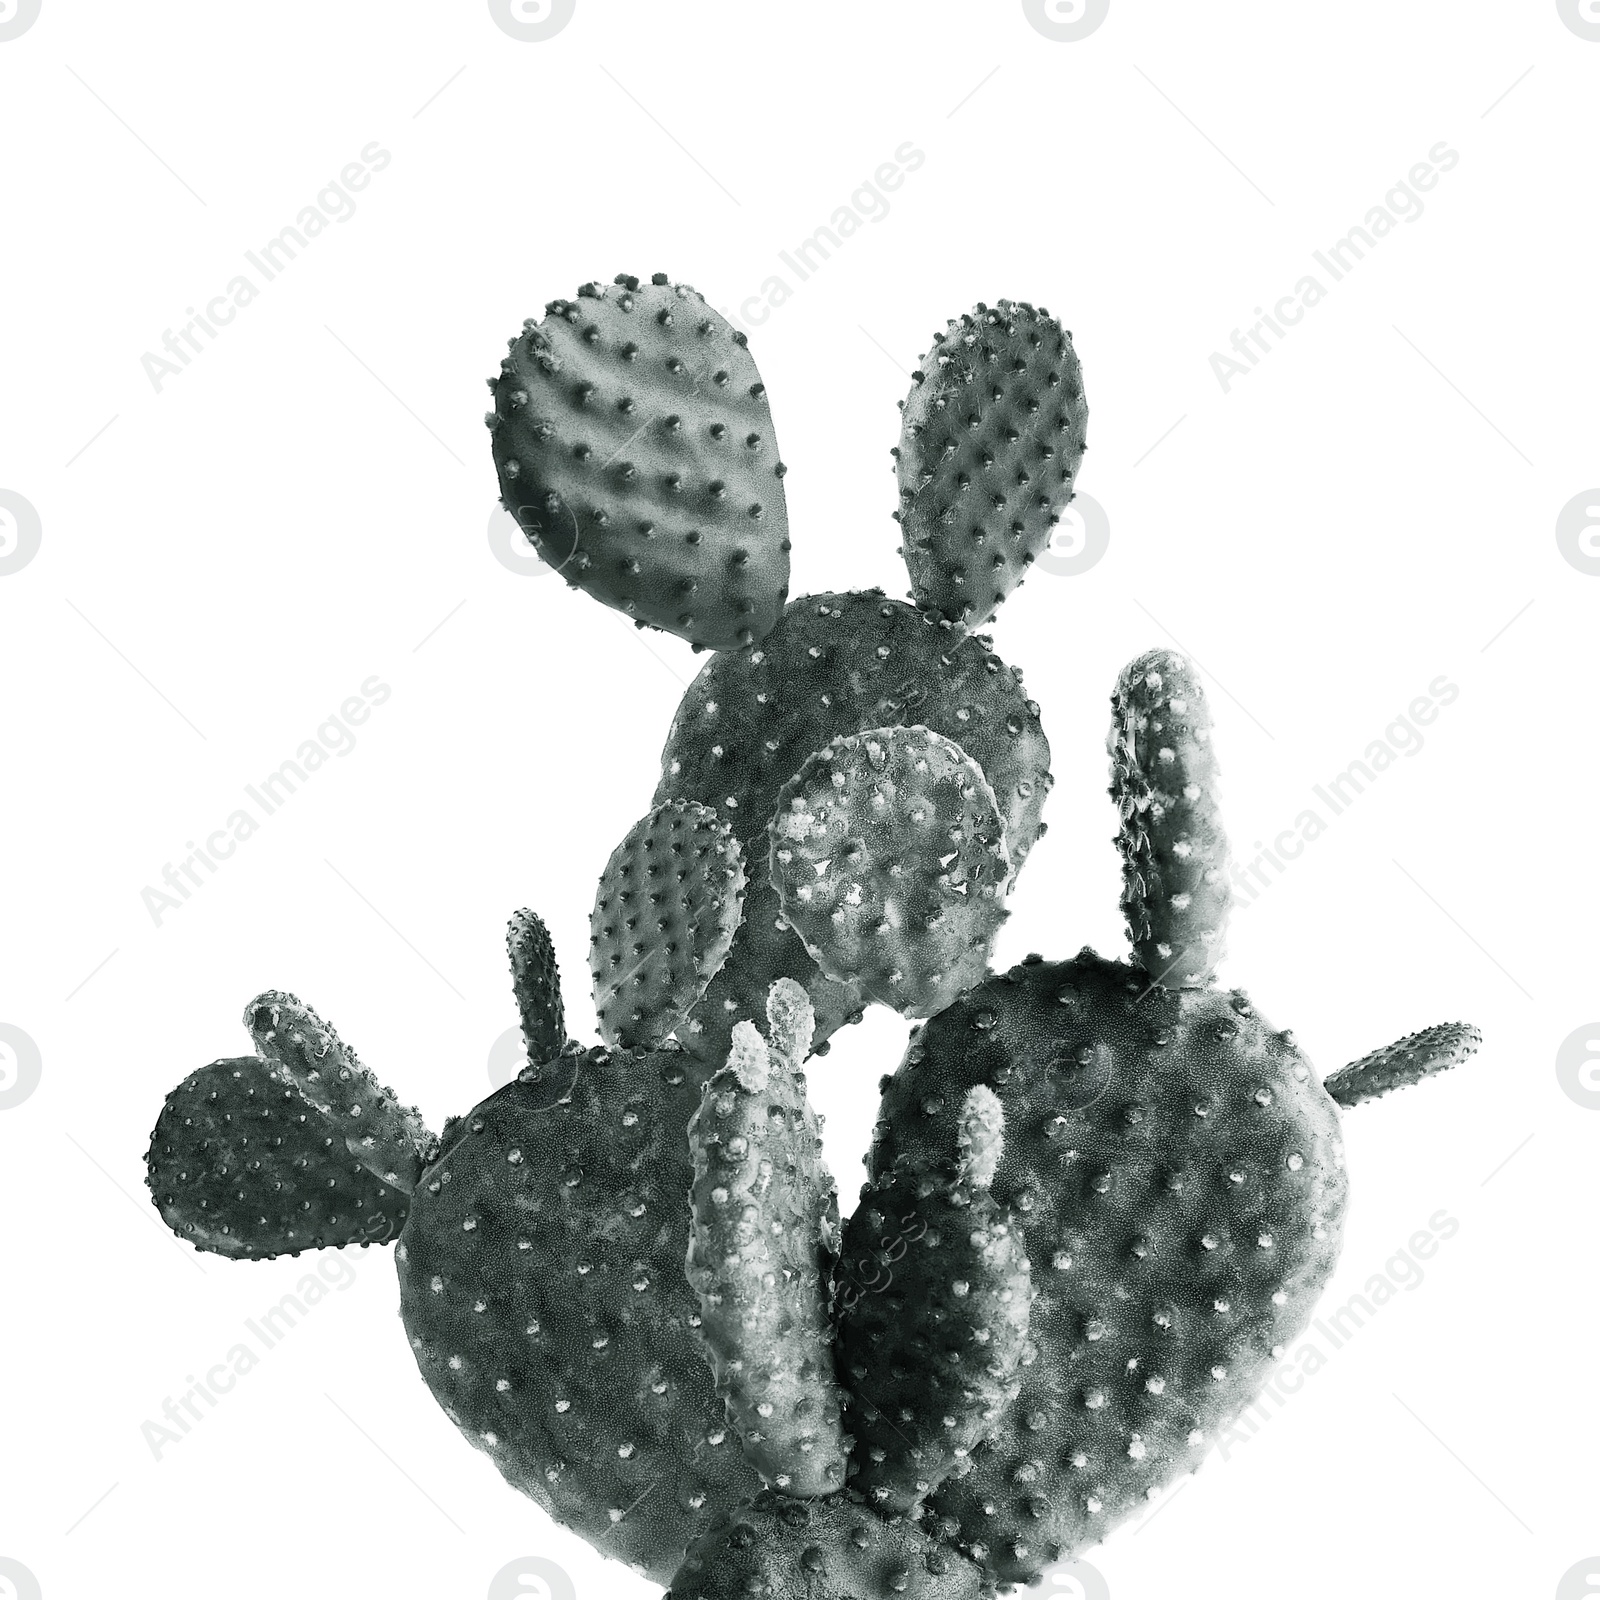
x,y
1103,1195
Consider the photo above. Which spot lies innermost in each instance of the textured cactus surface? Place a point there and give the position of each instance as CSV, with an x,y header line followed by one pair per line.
x,y
635,448
543,1291
778,1548
536,983
766,1233
835,664
1179,1175
1175,893
933,1313
669,900
889,858
1102,1196
243,1164
991,439
386,1137
1407,1061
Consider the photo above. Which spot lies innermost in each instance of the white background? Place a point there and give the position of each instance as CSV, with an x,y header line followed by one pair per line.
x,y
308,504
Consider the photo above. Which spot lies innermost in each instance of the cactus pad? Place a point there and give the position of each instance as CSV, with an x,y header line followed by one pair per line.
x,y
889,858
1179,1174
933,1314
836,1549
536,982
242,1164
766,1232
542,1289
668,904
635,448
990,442
835,664
386,1137
1175,894
1408,1061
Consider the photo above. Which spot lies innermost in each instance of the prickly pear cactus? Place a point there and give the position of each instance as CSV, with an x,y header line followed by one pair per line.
x,y
1103,1194
933,1313
1407,1061
242,1164
889,857
766,1231
991,439
635,447
669,902
835,665
295,1148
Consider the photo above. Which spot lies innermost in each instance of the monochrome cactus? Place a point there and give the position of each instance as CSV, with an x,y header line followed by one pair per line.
x,y
1103,1194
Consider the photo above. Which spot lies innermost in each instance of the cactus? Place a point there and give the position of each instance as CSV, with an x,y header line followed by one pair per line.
x,y
889,858
635,448
669,900
1175,892
991,439
784,1549
1103,1194
1407,1061
835,665
766,1230
536,982
242,1164
933,1313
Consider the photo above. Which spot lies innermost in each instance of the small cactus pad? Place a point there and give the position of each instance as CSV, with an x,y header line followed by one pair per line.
x,y
1408,1061
990,442
536,982
835,664
242,1164
1175,895
1179,1173
635,448
932,1311
542,1290
666,911
386,1137
776,1548
762,1248
889,858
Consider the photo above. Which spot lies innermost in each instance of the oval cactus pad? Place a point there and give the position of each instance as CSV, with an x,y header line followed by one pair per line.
x,y
635,449
889,857
666,911
990,442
